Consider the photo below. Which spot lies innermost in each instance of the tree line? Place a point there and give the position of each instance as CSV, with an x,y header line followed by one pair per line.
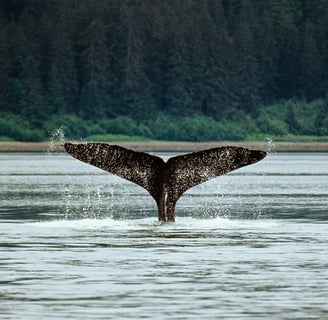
x,y
212,67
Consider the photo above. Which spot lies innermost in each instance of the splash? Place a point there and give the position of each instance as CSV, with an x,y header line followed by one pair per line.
x,y
88,202
57,137
269,146
183,224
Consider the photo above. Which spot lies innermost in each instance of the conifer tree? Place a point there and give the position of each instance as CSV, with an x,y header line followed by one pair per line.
x,y
138,93
148,60
55,92
310,68
4,67
246,66
33,107
177,95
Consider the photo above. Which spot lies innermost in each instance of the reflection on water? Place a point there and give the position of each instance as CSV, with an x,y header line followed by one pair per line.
x,y
78,243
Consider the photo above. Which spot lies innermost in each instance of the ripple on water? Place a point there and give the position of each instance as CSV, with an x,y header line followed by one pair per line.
x,y
206,267
226,261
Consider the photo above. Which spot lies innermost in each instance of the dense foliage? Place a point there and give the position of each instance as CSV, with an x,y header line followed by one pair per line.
x,y
166,69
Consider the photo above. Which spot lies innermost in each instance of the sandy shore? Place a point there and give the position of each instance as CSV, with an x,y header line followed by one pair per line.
x,y
174,146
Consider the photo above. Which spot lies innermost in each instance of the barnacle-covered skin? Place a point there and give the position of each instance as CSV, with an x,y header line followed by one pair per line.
x,y
165,181
138,167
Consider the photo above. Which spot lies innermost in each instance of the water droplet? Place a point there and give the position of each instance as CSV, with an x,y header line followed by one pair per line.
x,y
269,146
57,137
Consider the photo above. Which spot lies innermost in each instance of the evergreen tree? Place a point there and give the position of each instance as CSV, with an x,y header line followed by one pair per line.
x,y
246,66
55,92
267,55
142,58
289,47
94,63
90,102
221,50
138,93
177,95
4,67
16,97
311,64
60,40
155,34
33,107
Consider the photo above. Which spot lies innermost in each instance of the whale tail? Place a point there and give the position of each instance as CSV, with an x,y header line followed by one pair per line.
x,y
165,181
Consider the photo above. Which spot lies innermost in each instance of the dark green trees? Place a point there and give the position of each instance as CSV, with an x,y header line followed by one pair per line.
x,y
148,60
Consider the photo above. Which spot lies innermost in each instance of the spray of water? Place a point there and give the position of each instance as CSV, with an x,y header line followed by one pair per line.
x,y
57,137
269,146
89,201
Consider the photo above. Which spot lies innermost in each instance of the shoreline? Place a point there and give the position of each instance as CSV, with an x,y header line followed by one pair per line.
x,y
14,146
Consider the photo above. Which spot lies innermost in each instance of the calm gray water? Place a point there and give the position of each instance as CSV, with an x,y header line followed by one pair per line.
x,y
78,243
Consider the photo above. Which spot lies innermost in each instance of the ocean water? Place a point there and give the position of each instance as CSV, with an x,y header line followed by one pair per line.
x,y
79,243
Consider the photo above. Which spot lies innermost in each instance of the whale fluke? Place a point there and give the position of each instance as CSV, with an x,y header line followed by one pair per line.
x,y
165,181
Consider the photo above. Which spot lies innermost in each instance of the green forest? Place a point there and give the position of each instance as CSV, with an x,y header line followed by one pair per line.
x,y
194,70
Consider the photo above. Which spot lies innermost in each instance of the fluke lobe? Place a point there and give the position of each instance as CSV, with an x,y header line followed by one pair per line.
x,y
165,181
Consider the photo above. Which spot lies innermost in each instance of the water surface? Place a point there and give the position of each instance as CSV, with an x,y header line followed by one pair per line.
x,y
78,243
